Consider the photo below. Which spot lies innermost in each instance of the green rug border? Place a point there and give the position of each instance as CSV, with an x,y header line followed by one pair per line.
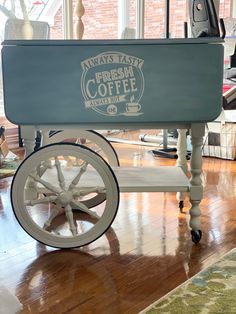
x,y
184,283
8,168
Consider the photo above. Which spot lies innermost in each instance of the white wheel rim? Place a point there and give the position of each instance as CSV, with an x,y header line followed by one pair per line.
x,y
46,237
98,139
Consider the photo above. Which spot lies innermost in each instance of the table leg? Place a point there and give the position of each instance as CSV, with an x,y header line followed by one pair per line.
x,y
28,134
182,161
196,188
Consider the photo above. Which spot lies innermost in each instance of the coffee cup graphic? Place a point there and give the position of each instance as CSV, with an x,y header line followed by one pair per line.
x,y
133,107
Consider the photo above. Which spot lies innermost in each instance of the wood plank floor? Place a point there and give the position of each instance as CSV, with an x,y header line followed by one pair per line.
x,y
147,252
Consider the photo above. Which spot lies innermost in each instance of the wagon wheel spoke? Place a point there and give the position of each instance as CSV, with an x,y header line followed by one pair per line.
x,y
82,207
47,199
87,191
60,175
70,219
56,211
46,184
75,181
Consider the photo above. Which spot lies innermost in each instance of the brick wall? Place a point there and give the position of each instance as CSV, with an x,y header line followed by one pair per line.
x,y
155,18
225,8
101,18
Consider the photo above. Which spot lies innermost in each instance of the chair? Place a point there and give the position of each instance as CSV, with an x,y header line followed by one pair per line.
x,y
13,29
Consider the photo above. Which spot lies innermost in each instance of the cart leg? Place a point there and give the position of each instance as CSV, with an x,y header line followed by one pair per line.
x,y
45,138
196,188
28,134
181,162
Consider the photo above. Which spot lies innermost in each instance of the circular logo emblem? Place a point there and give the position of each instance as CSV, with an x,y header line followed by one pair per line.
x,y
112,84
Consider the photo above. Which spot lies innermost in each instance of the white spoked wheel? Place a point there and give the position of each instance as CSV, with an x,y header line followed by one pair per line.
x,y
94,141
53,181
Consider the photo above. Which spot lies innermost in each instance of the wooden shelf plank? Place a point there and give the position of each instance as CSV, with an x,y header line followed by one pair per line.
x,y
158,179
143,179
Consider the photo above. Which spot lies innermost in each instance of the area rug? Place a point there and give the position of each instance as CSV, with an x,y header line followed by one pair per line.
x,y
8,165
212,291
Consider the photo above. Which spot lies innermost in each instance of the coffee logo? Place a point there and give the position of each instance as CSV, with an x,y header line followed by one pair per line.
x,y
112,84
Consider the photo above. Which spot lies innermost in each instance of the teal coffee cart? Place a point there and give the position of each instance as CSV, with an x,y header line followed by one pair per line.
x,y
66,195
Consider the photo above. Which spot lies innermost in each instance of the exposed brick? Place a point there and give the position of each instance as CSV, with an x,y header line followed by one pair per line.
x,y
101,18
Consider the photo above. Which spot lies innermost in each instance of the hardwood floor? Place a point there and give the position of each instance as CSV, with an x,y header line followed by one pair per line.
x,y
147,252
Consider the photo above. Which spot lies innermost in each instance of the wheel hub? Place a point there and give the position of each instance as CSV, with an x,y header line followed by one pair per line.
x,y
65,198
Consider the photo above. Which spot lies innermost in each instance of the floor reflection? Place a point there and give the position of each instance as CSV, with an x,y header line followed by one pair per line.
x,y
59,281
147,252
65,280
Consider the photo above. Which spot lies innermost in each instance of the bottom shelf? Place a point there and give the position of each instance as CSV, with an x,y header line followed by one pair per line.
x,y
131,179
150,179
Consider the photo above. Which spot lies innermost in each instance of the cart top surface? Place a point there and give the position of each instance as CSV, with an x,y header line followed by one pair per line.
x,y
105,42
113,82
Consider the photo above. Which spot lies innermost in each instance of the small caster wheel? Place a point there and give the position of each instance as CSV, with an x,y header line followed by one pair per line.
x,y
196,235
181,206
188,156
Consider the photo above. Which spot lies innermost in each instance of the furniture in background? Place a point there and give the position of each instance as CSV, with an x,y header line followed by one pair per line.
x,y
17,29
220,140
